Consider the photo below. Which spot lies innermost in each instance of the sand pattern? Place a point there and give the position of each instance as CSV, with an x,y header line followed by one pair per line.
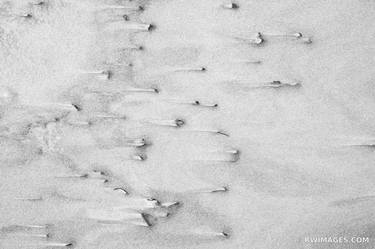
x,y
186,124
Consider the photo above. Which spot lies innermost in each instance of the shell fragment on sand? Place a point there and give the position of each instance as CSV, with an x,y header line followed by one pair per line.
x,y
121,190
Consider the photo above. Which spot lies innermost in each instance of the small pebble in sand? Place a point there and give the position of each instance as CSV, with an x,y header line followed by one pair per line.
x,y
39,3
296,35
138,157
225,234
207,231
191,69
179,122
42,235
132,47
252,62
78,107
255,39
231,156
193,103
173,123
136,142
212,190
170,204
126,17
122,7
232,151
230,6
105,74
58,244
277,84
222,189
27,16
121,64
199,103
73,176
57,106
142,90
137,26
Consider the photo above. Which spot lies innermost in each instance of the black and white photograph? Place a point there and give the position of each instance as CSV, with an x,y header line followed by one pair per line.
x,y
187,124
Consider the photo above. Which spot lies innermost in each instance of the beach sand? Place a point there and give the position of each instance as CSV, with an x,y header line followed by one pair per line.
x,y
304,167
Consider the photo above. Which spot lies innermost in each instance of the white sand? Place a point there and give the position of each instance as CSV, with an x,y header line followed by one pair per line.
x,y
296,176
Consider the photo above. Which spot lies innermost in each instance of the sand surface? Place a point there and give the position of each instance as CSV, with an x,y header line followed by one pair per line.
x,y
304,166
